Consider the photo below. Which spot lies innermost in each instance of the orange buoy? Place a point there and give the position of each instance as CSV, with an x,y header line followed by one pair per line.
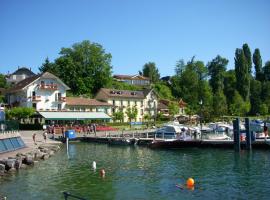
x,y
190,182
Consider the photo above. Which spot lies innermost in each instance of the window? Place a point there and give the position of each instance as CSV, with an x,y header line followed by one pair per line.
x,y
34,105
113,102
33,93
59,106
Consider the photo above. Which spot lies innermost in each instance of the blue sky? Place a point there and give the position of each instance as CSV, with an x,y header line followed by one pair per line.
x,y
133,31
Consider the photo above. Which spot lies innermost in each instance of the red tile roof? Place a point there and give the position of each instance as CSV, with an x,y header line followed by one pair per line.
x,y
105,93
80,101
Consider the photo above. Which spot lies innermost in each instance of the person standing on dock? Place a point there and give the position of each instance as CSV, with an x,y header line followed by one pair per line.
x,y
34,138
95,129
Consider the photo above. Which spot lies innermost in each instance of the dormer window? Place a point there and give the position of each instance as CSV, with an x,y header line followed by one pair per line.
x,y
112,92
119,92
133,93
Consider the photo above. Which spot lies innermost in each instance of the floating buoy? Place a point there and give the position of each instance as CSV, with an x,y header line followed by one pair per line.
x,y
94,165
102,173
190,182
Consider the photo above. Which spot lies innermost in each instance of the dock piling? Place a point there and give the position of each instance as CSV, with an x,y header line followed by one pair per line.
x,y
236,134
248,134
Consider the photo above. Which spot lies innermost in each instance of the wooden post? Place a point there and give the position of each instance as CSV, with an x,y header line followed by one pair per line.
x,y
248,134
236,134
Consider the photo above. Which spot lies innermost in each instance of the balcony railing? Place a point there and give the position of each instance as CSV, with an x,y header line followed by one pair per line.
x,y
61,99
48,87
36,98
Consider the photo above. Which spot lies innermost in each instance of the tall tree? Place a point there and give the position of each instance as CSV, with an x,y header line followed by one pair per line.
x,y
266,71
247,54
255,96
238,106
47,66
257,60
85,67
229,85
131,113
219,104
242,74
151,71
217,69
180,67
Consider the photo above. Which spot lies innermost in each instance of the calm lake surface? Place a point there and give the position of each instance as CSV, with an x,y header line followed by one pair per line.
x,y
142,173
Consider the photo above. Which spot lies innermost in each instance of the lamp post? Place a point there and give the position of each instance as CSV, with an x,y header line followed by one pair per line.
x,y
201,103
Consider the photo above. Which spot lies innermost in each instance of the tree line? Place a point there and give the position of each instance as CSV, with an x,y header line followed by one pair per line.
x,y
244,90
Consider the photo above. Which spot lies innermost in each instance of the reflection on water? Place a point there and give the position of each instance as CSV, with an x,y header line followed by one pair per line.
x,y
142,173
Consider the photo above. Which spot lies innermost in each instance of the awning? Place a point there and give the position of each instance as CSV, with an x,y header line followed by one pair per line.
x,y
74,115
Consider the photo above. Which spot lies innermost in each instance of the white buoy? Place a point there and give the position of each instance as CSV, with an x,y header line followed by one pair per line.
x,y
94,165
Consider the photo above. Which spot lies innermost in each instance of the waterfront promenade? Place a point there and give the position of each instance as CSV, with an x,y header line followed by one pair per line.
x,y
29,143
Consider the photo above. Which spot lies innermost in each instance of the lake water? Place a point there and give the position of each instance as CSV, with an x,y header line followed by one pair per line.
x,y
142,173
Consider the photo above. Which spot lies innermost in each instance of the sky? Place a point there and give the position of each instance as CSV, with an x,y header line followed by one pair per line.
x,y
133,31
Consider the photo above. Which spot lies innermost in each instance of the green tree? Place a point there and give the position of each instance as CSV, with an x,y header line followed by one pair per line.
x,y
263,109
146,118
85,67
131,113
238,106
118,116
217,69
257,60
266,71
19,113
255,96
247,53
173,108
242,74
47,66
265,95
229,85
180,67
3,82
163,91
219,104
151,71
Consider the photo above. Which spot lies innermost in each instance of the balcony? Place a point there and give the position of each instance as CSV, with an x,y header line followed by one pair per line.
x,y
61,99
36,98
48,87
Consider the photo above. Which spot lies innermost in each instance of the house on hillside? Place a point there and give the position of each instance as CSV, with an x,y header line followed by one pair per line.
x,y
163,107
19,75
133,80
145,101
42,92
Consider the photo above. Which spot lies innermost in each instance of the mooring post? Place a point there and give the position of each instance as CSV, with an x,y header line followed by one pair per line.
x,y
236,134
248,134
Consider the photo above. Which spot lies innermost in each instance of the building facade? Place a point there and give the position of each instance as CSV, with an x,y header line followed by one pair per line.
x,y
133,80
145,102
41,92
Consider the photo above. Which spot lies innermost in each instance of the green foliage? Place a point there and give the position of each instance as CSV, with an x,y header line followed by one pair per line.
x,y
255,96
47,66
173,108
239,107
124,86
263,109
180,67
217,69
266,71
163,91
131,113
229,85
3,82
151,71
257,60
118,116
85,67
219,104
242,74
247,54
20,113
